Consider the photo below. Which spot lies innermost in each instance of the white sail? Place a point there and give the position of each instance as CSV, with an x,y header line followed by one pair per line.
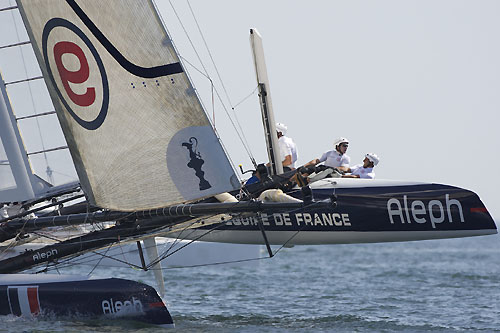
x,y
136,130
273,149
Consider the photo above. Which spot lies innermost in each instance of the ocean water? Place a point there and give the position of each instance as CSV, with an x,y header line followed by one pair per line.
x,y
441,285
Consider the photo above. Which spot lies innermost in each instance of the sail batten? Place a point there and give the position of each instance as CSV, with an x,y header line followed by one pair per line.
x,y
136,130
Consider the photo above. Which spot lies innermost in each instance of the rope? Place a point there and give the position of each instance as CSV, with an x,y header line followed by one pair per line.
x,y
217,263
243,142
247,97
7,8
209,53
241,129
166,254
99,261
189,38
69,262
207,75
217,69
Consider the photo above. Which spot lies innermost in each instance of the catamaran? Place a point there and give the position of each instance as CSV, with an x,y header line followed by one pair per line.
x,y
149,162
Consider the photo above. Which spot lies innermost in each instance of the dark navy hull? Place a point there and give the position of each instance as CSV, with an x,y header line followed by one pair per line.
x,y
366,211
100,298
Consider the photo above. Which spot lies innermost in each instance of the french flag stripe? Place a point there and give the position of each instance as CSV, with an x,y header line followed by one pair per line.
x,y
22,294
24,300
33,300
14,301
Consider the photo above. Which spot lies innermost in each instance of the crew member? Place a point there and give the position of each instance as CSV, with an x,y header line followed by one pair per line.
x,y
336,158
364,170
288,149
3,212
258,175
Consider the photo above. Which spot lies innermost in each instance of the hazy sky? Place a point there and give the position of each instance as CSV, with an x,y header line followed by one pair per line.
x,y
416,82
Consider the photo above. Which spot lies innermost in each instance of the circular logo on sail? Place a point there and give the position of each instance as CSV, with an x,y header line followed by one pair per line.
x,y
76,71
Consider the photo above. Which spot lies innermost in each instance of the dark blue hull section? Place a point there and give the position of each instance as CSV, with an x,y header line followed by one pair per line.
x,y
411,208
108,298
402,212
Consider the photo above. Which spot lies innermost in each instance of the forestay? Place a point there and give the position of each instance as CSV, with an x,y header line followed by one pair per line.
x,y
136,130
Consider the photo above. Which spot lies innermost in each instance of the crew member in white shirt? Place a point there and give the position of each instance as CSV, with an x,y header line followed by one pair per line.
x,y
364,170
288,149
3,212
336,158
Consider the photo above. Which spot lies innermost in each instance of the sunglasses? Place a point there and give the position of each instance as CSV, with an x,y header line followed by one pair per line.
x,y
344,145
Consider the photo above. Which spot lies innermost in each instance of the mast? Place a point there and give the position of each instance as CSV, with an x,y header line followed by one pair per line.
x,y
265,103
17,159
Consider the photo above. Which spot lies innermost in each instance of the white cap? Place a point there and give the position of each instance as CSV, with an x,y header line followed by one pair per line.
x,y
339,141
281,128
373,158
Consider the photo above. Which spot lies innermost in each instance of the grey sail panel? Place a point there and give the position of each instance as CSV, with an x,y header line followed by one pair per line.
x,y
136,130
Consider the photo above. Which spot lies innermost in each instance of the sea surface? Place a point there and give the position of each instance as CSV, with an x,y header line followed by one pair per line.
x,y
441,286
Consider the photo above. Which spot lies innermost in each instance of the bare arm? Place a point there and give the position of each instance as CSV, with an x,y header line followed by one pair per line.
x,y
287,161
344,168
312,162
350,176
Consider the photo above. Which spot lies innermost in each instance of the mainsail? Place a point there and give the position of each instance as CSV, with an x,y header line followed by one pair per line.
x,y
136,130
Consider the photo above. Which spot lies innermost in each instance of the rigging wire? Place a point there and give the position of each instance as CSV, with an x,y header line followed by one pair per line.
x,y
166,254
245,145
98,261
243,260
222,82
7,8
95,254
199,59
206,74
189,38
187,74
247,97
207,264
13,242
209,53
72,261
241,129
48,169
214,124
63,174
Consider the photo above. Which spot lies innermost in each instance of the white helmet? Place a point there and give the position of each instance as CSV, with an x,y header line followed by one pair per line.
x,y
373,158
281,128
339,141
